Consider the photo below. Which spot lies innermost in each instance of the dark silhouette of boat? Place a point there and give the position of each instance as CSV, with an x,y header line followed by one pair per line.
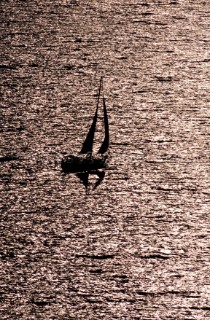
x,y
86,161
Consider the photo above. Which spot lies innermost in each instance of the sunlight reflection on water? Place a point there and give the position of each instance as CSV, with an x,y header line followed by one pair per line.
x,y
133,247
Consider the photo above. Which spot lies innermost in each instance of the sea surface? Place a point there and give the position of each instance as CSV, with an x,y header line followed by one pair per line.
x,y
138,245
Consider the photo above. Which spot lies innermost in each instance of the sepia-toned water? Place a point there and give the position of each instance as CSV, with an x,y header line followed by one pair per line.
x,y
137,246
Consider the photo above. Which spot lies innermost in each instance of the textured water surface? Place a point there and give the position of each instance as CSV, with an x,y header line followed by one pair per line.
x,y
137,247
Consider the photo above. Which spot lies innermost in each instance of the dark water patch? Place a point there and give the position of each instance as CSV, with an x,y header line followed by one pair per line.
x,y
147,13
41,301
69,67
8,67
9,254
9,158
156,256
164,79
144,293
33,65
121,278
96,257
13,129
207,308
6,177
96,271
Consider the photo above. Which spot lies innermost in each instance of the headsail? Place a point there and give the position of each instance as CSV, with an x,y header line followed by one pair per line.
x,y
105,145
88,143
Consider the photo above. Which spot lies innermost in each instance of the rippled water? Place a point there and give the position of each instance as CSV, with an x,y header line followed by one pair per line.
x,y
137,247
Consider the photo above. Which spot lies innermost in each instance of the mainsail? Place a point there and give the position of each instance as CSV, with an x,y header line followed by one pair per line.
x,y
88,143
105,145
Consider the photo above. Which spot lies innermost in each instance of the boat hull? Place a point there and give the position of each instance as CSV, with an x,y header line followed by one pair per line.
x,y
76,164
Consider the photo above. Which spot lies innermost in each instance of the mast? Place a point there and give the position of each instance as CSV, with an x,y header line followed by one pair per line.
x,y
88,143
105,145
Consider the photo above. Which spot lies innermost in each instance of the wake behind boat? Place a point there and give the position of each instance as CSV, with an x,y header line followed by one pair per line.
x,y
86,161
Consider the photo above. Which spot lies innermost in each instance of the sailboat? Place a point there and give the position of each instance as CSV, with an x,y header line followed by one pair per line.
x,y
86,161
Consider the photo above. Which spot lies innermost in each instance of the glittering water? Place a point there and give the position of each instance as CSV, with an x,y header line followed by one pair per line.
x,y
137,247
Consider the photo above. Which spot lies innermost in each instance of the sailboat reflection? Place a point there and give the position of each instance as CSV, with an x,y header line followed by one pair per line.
x,y
84,178
87,163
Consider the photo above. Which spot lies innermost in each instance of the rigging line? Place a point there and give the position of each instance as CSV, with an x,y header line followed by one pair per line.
x,y
99,92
